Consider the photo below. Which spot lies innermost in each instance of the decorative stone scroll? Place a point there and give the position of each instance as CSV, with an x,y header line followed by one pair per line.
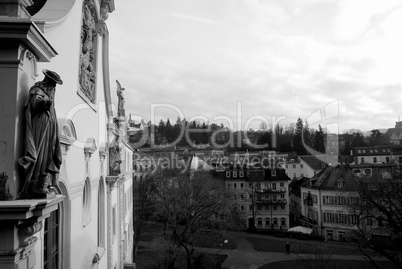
x,y
87,70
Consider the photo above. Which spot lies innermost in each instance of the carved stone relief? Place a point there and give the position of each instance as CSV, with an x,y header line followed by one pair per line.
x,y
114,157
87,71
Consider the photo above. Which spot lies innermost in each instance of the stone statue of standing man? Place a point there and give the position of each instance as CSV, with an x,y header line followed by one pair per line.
x,y
42,158
120,96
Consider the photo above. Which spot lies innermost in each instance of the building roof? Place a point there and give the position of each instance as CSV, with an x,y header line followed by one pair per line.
x,y
394,131
328,178
313,162
296,183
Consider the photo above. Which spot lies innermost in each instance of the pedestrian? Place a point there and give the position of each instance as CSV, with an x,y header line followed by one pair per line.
x,y
287,248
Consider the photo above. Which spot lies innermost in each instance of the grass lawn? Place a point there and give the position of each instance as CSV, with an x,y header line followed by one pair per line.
x,y
206,239
305,247
333,264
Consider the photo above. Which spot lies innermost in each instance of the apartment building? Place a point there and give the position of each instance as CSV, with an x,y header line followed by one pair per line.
x,y
259,194
378,154
326,199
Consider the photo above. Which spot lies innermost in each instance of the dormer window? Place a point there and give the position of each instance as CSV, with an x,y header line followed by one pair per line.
x,y
241,174
273,173
234,173
228,174
340,183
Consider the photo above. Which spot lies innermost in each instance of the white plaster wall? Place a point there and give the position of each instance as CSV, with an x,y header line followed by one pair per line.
x,y
290,170
306,170
66,38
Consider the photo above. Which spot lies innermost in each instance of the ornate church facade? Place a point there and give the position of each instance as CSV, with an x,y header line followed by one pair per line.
x,y
77,213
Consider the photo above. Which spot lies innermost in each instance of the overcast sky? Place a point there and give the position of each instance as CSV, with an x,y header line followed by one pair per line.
x,y
274,59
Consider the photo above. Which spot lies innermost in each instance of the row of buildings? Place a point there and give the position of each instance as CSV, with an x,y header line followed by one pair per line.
x,y
279,192
325,201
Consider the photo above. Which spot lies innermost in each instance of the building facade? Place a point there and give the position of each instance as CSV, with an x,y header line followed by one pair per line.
x,y
259,195
88,224
304,166
328,196
383,154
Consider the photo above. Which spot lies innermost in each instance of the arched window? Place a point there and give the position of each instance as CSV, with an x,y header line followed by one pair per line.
x,y
86,203
267,222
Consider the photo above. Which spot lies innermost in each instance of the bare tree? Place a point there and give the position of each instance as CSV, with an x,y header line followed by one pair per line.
x,y
378,214
144,206
188,201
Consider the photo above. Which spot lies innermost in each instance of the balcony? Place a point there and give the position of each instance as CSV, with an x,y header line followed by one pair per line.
x,y
308,202
271,202
269,190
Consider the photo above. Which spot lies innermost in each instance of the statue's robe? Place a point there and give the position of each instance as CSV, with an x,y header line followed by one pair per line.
x,y
42,159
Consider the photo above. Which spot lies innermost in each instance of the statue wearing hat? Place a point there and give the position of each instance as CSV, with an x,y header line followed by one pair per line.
x,y
42,158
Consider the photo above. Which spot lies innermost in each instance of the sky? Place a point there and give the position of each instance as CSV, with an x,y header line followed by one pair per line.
x,y
241,62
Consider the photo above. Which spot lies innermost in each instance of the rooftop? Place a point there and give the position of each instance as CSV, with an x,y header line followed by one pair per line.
x,y
313,162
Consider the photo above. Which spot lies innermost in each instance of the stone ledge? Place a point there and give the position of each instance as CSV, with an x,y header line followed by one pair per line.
x,y
25,209
18,30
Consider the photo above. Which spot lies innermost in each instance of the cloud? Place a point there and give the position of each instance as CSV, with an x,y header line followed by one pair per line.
x,y
277,57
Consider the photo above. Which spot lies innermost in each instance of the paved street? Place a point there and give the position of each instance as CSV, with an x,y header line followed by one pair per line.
x,y
246,257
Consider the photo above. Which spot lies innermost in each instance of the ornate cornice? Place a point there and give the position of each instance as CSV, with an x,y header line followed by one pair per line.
x,y
90,147
102,151
111,181
18,30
